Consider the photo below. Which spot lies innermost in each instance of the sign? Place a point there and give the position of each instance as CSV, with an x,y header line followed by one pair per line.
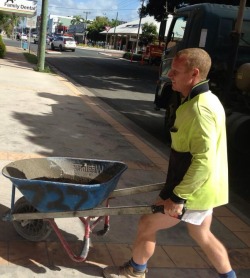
x,y
77,28
107,28
23,7
31,22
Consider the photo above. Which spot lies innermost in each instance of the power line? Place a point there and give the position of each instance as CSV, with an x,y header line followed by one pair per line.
x,y
58,7
122,11
125,4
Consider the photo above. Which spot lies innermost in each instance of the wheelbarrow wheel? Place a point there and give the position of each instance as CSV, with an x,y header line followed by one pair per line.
x,y
33,230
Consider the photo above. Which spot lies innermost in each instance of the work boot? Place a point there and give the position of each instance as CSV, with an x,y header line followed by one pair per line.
x,y
125,271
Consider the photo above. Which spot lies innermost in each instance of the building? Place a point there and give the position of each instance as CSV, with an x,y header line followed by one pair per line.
x,y
125,36
79,32
58,24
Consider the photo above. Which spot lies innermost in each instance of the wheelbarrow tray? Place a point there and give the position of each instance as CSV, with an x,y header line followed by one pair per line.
x,y
56,184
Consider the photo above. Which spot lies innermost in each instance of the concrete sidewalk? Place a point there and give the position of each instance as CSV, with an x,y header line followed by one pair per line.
x,y
46,115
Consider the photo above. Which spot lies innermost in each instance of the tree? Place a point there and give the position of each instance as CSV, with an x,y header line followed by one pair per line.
x,y
8,22
149,34
157,9
97,26
77,19
2,48
114,22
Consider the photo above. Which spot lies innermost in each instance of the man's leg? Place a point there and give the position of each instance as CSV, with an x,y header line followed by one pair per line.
x,y
144,246
145,241
211,246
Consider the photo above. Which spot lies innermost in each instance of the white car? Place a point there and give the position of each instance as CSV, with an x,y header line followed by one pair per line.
x,y
23,37
34,35
36,40
63,43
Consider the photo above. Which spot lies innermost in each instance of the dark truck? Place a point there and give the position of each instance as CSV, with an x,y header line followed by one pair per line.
x,y
224,32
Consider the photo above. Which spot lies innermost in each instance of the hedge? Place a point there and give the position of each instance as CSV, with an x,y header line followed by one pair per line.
x,y
2,48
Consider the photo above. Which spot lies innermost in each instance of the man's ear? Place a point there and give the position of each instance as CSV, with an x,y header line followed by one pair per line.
x,y
196,72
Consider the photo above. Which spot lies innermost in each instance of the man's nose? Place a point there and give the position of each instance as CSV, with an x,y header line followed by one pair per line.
x,y
169,73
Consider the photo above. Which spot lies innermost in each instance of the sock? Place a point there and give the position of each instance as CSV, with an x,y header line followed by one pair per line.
x,y
138,267
230,274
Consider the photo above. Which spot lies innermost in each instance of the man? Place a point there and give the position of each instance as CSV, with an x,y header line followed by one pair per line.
x,y
197,179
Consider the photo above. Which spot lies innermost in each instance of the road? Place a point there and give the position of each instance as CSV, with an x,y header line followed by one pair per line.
x,y
127,87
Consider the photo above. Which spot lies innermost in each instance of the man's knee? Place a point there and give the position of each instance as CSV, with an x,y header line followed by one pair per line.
x,y
152,223
200,232
201,236
148,224
144,222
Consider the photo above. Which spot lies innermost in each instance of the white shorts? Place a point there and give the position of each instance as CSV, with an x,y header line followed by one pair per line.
x,y
195,217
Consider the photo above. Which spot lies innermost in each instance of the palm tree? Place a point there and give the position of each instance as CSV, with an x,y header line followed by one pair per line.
x,y
9,22
77,19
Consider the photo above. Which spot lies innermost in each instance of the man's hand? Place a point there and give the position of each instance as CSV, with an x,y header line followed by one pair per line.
x,y
170,207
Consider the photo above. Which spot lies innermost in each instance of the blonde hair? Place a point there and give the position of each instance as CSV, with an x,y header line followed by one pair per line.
x,y
196,58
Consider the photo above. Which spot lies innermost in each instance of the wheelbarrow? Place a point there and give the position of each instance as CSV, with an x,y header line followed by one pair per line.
x,y
59,187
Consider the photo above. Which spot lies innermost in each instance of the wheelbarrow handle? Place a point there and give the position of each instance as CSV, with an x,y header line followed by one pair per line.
x,y
138,189
127,210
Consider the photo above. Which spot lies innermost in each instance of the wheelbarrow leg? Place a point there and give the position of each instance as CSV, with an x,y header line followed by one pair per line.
x,y
7,215
13,196
82,257
106,222
86,239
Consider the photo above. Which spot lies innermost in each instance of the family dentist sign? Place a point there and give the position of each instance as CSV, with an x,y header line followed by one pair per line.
x,y
19,7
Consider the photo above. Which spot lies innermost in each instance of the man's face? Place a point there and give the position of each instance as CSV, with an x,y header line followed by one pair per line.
x,y
182,78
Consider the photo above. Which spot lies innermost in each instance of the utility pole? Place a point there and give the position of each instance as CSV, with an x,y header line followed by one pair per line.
x,y
42,40
115,29
139,27
86,25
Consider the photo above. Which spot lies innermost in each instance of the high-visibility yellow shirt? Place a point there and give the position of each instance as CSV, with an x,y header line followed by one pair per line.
x,y
200,130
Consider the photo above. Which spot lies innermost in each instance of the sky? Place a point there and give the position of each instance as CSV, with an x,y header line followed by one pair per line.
x,y
124,10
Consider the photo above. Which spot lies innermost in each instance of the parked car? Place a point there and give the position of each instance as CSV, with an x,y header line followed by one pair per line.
x,y
63,43
34,35
21,36
36,40
24,37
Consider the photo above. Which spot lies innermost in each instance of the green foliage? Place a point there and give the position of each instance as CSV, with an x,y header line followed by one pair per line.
x,y
149,33
46,69
157,9
97,26
2,48
32,58
77,19
8,22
